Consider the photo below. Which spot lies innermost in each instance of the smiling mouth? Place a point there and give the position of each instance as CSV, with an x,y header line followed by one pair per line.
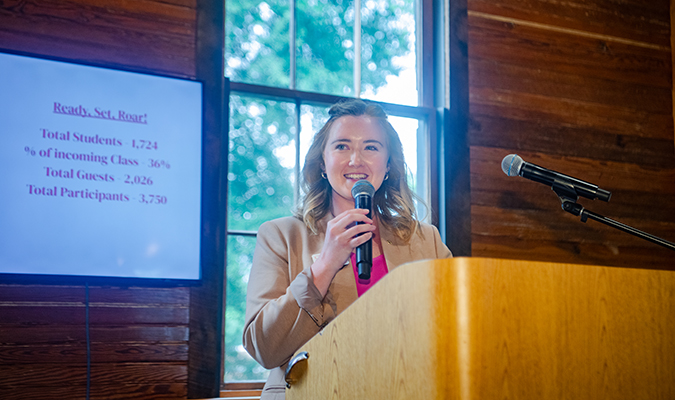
x,y
356,176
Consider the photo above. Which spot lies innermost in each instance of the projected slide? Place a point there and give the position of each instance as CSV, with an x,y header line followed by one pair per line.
x,y
100,171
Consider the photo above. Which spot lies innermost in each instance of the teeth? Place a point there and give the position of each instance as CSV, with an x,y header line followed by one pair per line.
x,y
356,176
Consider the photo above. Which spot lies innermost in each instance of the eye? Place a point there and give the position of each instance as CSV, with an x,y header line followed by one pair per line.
x,y
340,146
372,147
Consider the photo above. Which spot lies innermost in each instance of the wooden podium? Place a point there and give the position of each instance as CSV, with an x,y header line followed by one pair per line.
x,y
472,328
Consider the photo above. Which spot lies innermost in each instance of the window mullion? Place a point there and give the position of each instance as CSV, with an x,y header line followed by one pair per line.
x,y
296,184
426,52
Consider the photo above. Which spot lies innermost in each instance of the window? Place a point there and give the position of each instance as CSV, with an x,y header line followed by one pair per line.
x,y
288,61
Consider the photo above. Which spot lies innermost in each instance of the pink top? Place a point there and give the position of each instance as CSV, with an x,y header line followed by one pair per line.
x,y
377,271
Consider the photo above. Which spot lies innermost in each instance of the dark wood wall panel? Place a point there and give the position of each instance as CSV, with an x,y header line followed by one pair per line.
x,y
138,342
638,20
566,87
138,336
150,35
75,352
584,88
575,140
565,51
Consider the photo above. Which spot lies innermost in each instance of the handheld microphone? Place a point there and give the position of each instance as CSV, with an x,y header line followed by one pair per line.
x,y
363,192
513,165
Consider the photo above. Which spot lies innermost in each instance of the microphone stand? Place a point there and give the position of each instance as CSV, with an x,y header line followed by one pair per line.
x,y
568,197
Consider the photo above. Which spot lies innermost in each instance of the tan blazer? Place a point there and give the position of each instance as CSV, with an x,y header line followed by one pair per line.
x,y
283,307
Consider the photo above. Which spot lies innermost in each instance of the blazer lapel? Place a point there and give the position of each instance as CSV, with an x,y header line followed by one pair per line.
x,y
395,251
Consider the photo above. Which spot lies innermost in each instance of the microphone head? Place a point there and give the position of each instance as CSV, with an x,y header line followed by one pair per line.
x,y
362,187
511,165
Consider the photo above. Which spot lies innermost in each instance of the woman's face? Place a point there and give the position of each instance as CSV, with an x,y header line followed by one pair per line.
x,y
356,149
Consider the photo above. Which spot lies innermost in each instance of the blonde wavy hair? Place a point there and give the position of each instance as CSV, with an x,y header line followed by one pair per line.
x,y
392,203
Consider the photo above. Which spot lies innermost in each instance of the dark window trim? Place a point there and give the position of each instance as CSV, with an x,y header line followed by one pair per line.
x,y
277,93
242,233
207,301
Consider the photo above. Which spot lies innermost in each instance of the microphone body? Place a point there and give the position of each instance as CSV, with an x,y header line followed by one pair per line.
x,y
363,192
513,165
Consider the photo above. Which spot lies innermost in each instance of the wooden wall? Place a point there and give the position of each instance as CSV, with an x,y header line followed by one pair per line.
x,y
138,342
583,88
139,336
147,35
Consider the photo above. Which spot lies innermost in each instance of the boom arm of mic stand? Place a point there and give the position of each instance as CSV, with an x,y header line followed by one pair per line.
x,y
568,197
578,210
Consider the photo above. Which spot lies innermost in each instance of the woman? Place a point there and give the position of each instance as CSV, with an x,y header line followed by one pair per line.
x,y
303,272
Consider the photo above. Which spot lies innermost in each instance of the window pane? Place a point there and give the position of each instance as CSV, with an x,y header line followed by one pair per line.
x,y
412,137
257,42
312,118
388,59
261,161
324,46
239,366
325,49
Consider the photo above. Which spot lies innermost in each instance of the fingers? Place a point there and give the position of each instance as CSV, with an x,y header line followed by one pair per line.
x,y
347,238
344,235
359,240
360,229
343,220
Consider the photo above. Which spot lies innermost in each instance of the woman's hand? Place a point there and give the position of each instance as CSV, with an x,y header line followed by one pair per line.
x,y
342,237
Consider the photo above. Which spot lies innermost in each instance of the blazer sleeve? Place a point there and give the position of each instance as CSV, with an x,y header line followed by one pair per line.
x,y
282,311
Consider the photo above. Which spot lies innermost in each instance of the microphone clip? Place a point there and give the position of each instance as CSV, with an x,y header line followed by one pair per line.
x,y
568,197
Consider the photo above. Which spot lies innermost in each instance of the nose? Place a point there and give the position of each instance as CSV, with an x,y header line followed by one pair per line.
x,y
356,159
